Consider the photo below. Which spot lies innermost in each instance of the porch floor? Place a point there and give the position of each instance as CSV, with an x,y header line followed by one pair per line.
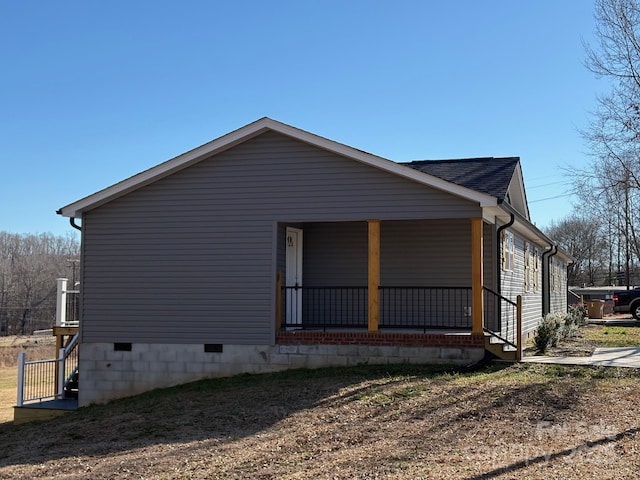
x,y
58,404
30,412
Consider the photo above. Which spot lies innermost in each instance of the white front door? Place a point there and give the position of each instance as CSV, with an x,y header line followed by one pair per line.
x,y
294,276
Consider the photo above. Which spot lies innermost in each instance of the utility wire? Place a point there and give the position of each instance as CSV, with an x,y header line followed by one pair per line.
x,y
548,184
551,198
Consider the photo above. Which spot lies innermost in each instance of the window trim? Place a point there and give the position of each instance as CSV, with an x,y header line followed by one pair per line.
x,y
508,251
536,269
527,267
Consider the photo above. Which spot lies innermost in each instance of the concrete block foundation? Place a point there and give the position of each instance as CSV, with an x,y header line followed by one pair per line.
x,y
107,373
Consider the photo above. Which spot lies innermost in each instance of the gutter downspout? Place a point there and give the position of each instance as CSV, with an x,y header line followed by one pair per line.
x,y
546,280
500,253
73,223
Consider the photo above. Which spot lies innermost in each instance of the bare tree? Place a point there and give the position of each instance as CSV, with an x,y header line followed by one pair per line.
x,y
29,266
610,186
616,122
582,238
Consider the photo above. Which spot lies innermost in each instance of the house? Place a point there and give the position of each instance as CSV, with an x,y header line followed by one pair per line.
x,y
272,248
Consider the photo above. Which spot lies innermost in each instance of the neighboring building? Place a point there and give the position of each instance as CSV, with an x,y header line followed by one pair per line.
x,y
272,248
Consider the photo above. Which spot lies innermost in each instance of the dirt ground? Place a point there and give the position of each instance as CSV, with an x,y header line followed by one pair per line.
x,y
506,421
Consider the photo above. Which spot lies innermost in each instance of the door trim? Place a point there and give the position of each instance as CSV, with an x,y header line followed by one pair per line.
x,y
293,240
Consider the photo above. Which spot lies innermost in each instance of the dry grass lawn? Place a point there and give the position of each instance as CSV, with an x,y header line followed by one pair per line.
x,y
505,421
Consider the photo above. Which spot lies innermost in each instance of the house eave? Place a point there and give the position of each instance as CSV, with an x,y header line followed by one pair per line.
x,y
247,132
532,233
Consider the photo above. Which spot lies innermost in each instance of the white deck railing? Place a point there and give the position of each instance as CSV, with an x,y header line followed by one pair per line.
x,y
66,313
45,379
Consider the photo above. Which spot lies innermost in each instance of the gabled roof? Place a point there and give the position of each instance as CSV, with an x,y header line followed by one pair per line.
x,y
252,130
499,177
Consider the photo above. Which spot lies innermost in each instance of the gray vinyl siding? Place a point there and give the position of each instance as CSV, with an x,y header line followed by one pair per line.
x,y
426,253
335,254
531,300
558,295
513,284
81,276
190,258
490,254
420,253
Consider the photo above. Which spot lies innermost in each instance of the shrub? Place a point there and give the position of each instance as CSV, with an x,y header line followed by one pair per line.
x,y
548,332
569,328
578,314
557,326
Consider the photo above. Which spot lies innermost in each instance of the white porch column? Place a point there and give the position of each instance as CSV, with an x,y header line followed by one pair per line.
x,y
61,302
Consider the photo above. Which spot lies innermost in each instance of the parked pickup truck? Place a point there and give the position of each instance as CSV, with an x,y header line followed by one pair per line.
x,y
627,301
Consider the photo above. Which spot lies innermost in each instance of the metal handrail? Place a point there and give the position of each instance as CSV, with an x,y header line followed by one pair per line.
x,y
68,365
37,378
502,318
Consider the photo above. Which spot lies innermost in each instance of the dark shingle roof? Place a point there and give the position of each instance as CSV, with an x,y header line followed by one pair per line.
x,y
486,175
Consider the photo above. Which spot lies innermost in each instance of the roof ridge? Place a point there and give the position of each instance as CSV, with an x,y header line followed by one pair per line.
x,y
452,160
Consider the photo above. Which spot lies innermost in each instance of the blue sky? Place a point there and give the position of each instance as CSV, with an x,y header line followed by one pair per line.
x,y
93,92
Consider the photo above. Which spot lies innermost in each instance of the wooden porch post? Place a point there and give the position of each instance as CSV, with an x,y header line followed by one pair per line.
x,y
477,304
374,274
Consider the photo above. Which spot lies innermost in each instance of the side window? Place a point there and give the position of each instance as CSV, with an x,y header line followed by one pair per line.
x,y
527,267
508,251
536,267
560,276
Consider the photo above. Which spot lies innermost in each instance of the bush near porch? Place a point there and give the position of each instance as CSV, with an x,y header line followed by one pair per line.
x,y
556,327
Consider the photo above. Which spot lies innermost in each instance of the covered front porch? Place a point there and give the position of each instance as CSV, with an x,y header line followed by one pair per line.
x,y
390,280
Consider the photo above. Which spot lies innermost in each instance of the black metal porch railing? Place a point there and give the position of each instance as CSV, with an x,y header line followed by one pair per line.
x,y
400,307
425,307
325,307
501,316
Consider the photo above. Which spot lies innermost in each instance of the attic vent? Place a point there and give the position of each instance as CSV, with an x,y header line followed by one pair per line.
x,y
213,347
121,347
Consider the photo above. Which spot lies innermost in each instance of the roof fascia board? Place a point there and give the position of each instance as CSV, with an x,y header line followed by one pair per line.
x,y
517,186
249,131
